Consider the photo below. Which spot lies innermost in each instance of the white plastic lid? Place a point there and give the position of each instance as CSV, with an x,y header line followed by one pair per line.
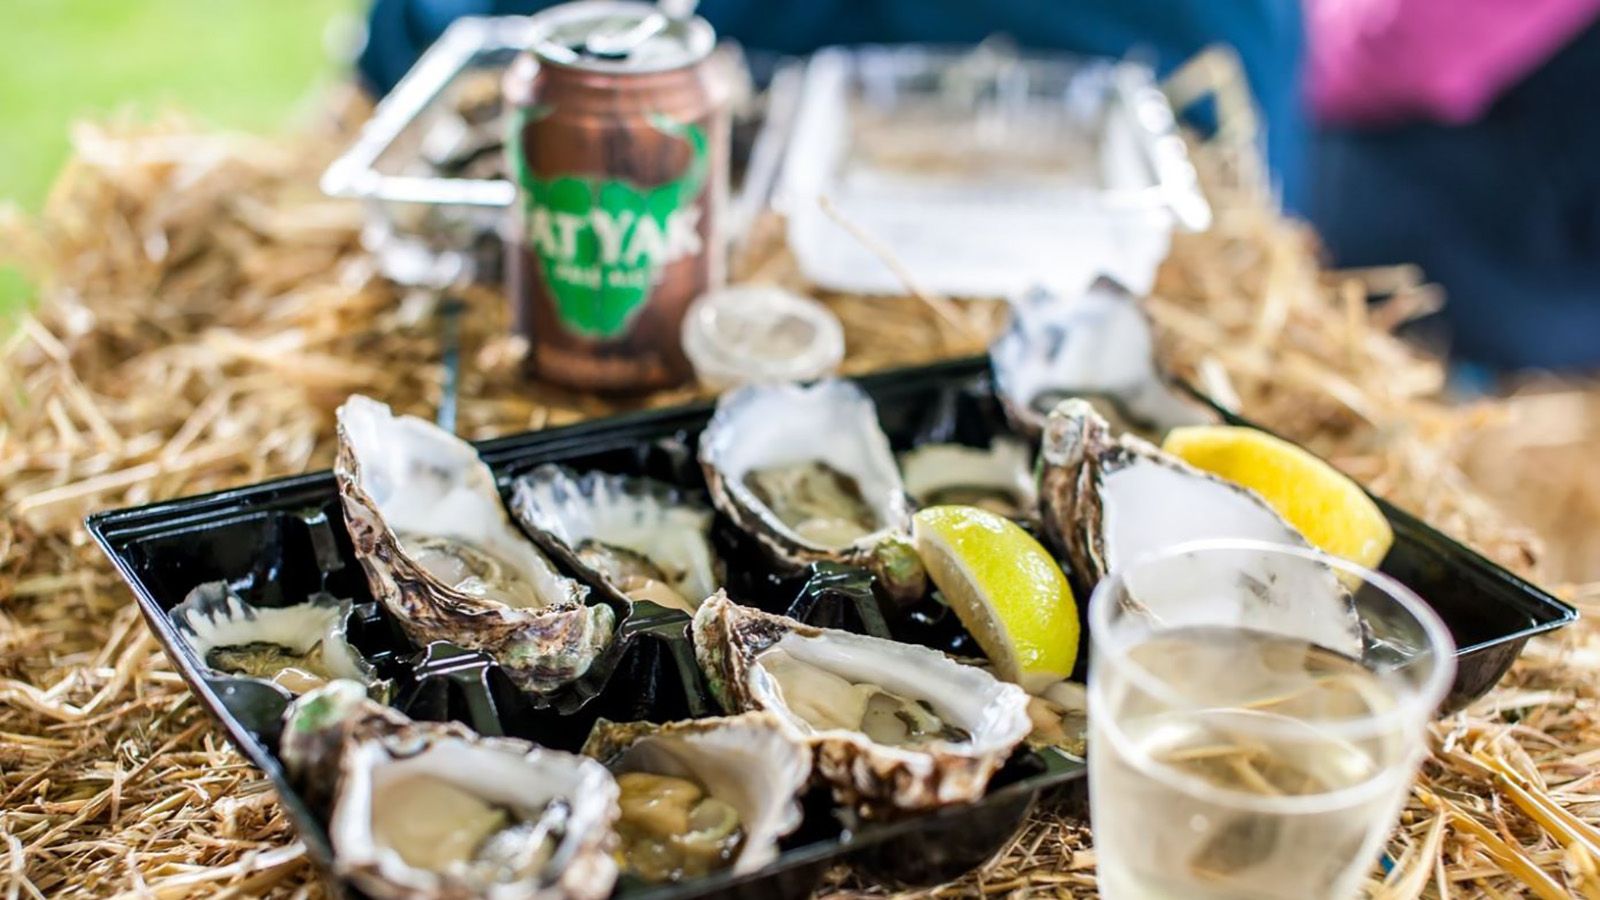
x,y
760,333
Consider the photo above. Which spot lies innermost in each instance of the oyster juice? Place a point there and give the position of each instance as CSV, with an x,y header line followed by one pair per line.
x,y
1198,800
437,826
998,478
299,647
821,503
635,539
636,575
671,828
827,701
473,570
295,672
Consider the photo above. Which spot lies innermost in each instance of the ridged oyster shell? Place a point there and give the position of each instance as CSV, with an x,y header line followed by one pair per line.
x,y
214,618
998,478
548,833
1099,346
750,761
584,520
762,427
1107,501
319,724
732,643
443,556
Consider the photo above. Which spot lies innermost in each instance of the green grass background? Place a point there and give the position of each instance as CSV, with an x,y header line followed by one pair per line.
x,y
236,63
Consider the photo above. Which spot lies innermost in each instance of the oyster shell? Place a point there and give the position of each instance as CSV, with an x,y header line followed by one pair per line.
x,y
443,556
894,726
298,647
319,724
1098,346
428,810
809,473
1105,502
636,538
998,478
747,762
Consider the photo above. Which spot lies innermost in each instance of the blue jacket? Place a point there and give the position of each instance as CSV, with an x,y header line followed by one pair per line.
x,y
1267,34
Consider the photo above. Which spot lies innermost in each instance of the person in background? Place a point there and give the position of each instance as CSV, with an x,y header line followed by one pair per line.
x,y
1457,135
1464,136
1266,33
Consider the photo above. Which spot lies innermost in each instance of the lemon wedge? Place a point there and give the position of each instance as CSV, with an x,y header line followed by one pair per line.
x,y
1005,587
1323,504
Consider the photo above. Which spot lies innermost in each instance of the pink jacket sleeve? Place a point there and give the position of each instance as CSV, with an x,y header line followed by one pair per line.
x,y
1375,61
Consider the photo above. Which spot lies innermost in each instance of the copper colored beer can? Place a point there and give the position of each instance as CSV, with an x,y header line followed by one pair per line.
x,y
619,146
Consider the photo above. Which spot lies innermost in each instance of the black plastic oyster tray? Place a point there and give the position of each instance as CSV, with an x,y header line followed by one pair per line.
x,y
282,541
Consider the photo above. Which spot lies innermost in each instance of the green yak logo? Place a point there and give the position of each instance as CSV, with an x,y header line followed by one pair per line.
x,y
602,242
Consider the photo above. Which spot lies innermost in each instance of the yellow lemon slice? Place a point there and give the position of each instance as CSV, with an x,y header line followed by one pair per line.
x,y
1006,589
1332,511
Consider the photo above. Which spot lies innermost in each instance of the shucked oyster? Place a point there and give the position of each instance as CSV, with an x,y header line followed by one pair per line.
x,y
1108,501
444,557
637,538
893,725
429,810
809,473
705,794
1098,346
297,647
998,479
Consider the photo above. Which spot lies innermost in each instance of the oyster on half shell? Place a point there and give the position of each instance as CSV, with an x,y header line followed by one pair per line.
x,y
636,538
998,478
1098,346
1107,501
893,726
298,647
422,809
808,472
443,556
703,794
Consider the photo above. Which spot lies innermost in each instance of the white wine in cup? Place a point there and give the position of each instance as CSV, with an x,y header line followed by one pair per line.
x,y
1236,751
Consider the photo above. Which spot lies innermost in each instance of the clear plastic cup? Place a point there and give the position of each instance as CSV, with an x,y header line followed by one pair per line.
x,y
752,333
1231,757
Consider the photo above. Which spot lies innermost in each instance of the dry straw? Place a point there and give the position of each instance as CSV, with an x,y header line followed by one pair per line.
x,y
203,310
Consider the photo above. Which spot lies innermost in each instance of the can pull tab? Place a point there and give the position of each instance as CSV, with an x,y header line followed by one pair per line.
x,y
621,44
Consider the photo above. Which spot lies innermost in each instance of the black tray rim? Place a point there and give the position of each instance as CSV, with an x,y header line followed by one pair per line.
x,y
113,528
1059,769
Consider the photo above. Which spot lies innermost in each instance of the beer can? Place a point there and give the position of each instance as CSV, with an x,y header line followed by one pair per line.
x,y
621,160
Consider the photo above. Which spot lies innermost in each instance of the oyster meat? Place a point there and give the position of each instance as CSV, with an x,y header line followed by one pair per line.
x,y
634,538
1098,346
1060,714
893,726
298,647
998,478
705,794
443,556
422,809
1106,501
822,504
808,472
